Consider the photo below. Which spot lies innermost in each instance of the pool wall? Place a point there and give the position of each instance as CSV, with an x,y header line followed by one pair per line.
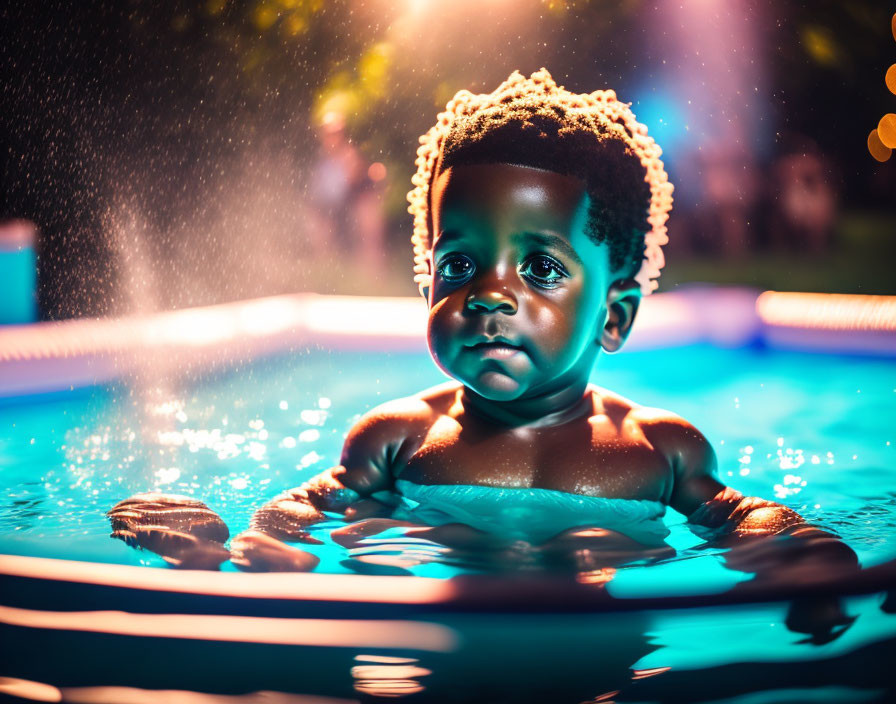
x,y
59,356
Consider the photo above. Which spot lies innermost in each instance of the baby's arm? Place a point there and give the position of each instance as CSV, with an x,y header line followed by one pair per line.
x,y
730,517
364,471
764,538
189,534
699,495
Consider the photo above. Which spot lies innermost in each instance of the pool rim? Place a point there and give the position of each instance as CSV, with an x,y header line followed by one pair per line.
x,y
550,593
93,352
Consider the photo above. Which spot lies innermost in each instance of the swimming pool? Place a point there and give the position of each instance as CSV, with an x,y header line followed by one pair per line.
x,y
813,431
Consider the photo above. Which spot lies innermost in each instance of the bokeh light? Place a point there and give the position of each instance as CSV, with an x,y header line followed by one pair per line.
x,y
376,171
886,130
878,149
820,43
882,141
665,117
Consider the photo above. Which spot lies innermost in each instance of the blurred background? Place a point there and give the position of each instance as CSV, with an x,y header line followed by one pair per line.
x,y
171,154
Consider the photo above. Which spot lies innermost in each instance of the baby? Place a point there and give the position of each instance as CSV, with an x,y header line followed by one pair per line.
x,y
538,220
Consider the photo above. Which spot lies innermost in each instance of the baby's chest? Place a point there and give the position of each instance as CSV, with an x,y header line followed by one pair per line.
x,y
575,458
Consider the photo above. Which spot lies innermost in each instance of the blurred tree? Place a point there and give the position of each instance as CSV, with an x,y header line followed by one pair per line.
x,y
166,105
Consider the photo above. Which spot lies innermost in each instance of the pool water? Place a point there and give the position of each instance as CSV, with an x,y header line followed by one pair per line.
x,y
814,432
811,431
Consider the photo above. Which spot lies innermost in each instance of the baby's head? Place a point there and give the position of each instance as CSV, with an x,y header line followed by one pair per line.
x,y
538,220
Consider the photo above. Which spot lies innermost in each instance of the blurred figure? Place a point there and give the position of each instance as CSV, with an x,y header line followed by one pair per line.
x,y
347,195
803,200
730,188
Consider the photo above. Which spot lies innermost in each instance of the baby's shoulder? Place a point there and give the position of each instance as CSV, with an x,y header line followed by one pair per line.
x,y
400,418
667,431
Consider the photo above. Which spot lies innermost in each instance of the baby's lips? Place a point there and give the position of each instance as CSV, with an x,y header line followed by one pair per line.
x,y
486,339
484,343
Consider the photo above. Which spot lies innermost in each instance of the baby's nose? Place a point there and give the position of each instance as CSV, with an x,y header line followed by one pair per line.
x,y
491,301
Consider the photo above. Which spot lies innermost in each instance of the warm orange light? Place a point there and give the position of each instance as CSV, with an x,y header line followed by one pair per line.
x,y
388,672
600,576
827,311
890,78
388,677
264,16
389,688
315,587
16,235
377,170
294,24
886,130
30,690
877,148
385,659
327,633
649,672
820,44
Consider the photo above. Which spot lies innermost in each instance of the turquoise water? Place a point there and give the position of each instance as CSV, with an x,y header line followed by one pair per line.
x,y
814,432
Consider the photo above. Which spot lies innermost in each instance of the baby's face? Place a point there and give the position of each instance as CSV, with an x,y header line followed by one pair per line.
x,y
519,291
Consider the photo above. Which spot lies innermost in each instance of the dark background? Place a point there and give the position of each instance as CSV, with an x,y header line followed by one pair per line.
x,y
166,150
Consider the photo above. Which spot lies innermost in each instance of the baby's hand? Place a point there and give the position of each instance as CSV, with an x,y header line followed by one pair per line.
x,y
287,517
253,551
354,534
180,550
179,513
799,555
184,531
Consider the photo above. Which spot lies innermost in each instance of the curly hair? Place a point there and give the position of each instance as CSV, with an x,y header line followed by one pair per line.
x,y
534,122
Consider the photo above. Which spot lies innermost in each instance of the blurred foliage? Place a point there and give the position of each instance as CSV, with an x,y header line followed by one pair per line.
x,y
860,260
363,57
167,103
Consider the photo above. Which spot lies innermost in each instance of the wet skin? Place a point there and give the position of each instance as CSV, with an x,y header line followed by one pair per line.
x,y
521,304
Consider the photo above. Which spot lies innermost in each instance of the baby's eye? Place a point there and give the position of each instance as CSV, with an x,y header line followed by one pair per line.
x,y
543,271
456,268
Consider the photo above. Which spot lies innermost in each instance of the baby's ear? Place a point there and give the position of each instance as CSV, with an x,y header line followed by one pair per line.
x,y
424,282
623,299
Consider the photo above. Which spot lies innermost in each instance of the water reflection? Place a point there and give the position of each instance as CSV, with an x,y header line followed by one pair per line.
x,y
522,657
384,676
